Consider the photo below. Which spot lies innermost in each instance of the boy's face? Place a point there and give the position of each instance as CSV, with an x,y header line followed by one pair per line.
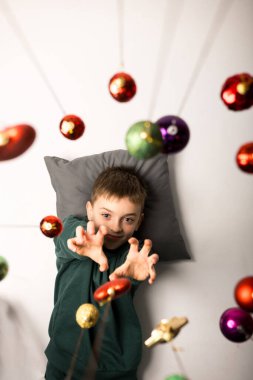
x,y
121,217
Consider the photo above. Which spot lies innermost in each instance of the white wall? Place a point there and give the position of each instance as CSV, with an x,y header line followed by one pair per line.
x,y
76,43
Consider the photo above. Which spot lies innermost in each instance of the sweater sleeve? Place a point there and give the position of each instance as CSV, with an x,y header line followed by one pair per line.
x,y
69,231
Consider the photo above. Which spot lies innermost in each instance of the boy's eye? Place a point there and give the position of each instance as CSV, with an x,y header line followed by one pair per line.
x,y
106,216
129,220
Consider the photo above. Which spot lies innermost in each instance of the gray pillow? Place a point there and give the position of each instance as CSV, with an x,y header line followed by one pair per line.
x,y
73,181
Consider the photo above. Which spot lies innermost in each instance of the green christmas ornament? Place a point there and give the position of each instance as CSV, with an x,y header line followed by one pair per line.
x,y
144,140
176,377
3,268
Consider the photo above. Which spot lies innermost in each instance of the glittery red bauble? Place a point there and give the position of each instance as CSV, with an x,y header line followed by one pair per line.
x,y
122,87
111,290
15,140
72,127
51,226
237,92
244,293
244,157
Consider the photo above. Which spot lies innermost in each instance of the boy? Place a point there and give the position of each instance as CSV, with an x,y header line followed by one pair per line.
x,y
88,255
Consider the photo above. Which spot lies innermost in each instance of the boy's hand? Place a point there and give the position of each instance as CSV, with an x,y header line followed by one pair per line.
x,y
138,264
89,243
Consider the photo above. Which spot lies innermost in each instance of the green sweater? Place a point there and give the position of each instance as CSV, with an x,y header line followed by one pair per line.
x,y
77,279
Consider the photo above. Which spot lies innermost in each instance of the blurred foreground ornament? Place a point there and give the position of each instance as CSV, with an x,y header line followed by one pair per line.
x,y
176,377
237,92
236,325
51,226
244,293
112,290
166,330
4,268
144,140
87,315
244,157
15,140
175,133
72,127
122,87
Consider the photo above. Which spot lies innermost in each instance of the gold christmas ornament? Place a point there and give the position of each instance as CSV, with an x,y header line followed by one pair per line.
x,y
87,315
166,330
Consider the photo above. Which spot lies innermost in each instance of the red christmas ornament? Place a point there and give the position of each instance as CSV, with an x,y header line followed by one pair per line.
x,y
51,226
72,127
244,293
111,290
244,157
15,140
122,87
237,92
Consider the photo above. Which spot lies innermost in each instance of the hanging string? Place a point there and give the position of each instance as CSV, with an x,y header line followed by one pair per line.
x,y
163,52
20,35
74,357
179,361
92,363
18,226
120,5
213,31
218,20
90,372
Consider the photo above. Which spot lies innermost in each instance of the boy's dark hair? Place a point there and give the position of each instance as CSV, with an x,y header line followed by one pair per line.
x,y
120,182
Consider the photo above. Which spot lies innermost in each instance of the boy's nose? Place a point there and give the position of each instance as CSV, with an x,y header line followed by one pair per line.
x,y
116,227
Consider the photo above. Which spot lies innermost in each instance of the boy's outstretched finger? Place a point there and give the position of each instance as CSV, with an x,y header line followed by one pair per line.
x,y
146,246
102,231
103,264
113,276
118,273
91,228
152,275
72,245
80,234
153,259
134,244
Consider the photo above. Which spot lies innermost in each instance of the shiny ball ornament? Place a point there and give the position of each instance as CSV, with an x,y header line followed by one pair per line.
x,y
15,140
51,226
144,140
176,377
111,290
243,293
72,127
4,268
175,133
236,325
237,92
122,87
87,315
244,157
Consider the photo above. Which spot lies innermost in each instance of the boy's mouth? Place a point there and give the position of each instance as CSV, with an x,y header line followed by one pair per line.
x,y
113,237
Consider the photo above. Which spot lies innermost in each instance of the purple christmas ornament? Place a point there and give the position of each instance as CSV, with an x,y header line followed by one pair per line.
x,y
236,325
175,133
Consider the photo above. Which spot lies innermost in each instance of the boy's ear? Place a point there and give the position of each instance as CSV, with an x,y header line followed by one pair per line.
x,y
89,210
140,221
